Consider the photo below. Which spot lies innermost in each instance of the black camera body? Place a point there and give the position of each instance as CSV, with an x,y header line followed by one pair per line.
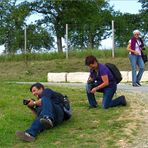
x,y
143,48
25,102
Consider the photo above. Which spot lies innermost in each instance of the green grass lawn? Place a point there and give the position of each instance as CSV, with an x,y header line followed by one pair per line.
x,y
96,128
92,128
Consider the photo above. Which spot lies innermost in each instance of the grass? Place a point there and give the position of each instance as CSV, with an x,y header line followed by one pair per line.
x,y
99,128
87,128
37,70
77,54
15,68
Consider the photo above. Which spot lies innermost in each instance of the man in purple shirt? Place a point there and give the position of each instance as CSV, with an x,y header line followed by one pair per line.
x,y
101,80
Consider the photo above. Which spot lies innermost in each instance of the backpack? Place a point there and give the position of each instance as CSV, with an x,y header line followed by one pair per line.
x,y
115,72
66,108
65,104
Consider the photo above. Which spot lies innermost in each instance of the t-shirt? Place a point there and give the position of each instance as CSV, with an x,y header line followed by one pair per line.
x,y
54,96
137,47
102,71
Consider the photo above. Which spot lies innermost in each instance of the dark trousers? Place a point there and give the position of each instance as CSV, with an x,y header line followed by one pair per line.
x,y
48,108
108,94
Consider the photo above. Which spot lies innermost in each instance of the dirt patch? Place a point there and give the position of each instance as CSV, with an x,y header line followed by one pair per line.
x,y
137,128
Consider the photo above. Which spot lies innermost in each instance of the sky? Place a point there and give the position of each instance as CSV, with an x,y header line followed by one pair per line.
x,y
124,6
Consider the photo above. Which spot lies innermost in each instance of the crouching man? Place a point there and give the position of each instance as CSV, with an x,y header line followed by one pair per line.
x,y
49,110
101,80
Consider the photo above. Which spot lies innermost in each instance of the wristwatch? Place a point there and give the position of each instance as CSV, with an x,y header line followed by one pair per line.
x,y
34,102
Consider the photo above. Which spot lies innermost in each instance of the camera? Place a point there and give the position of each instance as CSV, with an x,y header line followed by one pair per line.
x,y
25,102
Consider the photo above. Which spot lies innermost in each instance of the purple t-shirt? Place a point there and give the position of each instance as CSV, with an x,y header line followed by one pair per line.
x,y
103,70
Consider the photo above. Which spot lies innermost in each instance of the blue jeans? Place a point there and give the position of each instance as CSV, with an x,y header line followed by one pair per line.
x,y
48,108
108,94
136,60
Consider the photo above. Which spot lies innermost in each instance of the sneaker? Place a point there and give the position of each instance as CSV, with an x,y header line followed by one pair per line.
x,y
94,106
25,136
138,83
46,122
124,103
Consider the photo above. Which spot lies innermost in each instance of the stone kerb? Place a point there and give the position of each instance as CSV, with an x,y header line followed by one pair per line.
x,y
57,77
145,77
81,77
77,77
124,76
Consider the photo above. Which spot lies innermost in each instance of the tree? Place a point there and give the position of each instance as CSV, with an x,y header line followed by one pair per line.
x,y
13,20
87,16
144,18
87,31
144,5
38,39
124,26
11,23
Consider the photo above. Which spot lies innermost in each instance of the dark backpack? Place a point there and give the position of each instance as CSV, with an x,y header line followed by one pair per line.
x,y
115,72
65,103
66,108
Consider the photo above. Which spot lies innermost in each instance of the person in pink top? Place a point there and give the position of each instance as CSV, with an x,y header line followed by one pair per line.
x,y
135,47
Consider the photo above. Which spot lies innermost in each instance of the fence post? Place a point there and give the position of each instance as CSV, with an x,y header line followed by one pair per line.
x,y
113,40
66,41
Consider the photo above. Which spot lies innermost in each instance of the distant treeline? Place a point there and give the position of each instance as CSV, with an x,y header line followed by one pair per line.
x,y
89,22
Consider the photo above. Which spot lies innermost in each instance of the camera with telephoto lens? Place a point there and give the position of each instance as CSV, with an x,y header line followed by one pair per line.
x,y
143,48
25,102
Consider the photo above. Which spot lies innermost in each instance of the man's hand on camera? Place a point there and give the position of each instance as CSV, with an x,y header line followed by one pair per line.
x,y
94,90
31,103
90,79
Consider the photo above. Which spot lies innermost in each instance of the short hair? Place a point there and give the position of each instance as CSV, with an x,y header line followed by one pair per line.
x,y
90,60
37,85
136,31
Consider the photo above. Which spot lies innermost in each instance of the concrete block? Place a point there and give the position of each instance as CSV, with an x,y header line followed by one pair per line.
x,y
145,76
143,79
80,77
57,77
129,76
124,76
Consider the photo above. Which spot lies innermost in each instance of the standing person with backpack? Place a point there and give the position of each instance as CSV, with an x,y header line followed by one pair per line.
x,y
102,80
51,108
135,47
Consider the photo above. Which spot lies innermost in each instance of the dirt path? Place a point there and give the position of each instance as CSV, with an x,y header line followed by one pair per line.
x,y
141,139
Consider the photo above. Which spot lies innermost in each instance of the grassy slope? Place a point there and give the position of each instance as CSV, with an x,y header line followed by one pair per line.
x,y
37,70
88,128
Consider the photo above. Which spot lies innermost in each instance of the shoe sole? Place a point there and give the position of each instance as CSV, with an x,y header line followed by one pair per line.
x,y
46,123
22,136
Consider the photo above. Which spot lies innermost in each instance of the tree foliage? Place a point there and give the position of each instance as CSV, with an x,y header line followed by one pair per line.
x,y
89,22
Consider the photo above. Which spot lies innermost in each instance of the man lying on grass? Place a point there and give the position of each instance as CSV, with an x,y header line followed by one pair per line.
x,y
101,80
49,109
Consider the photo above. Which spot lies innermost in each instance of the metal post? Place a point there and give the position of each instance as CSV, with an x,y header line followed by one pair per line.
x,y
113,40
25,38
66,41
25,47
